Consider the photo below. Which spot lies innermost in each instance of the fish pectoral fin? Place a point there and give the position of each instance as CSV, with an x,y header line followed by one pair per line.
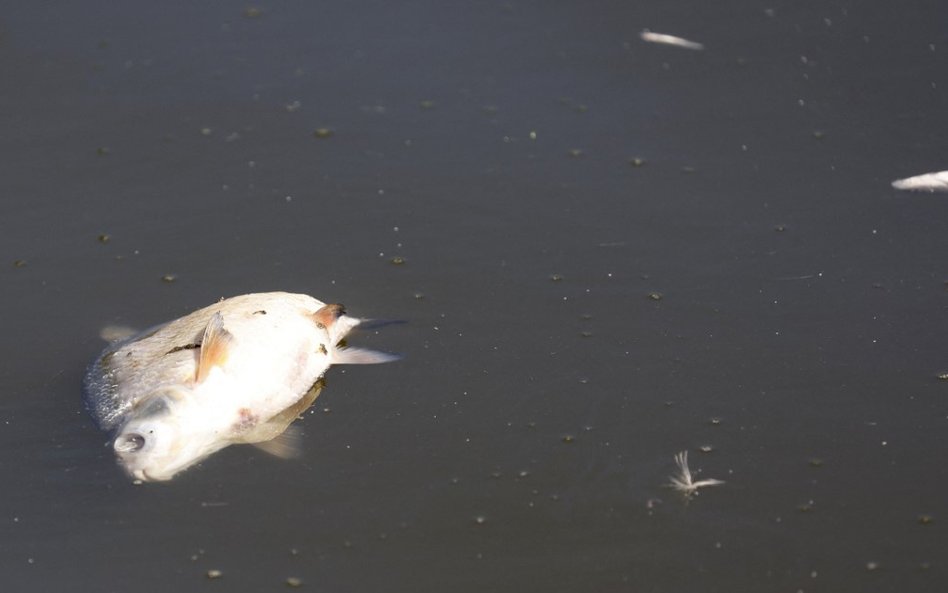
x,y
214,346
362,356
285,445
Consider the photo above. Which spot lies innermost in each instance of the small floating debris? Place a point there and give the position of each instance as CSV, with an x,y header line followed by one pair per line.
x,y
104,238
427,104
575,153
925,519
214,574
636,161
655,296
19,263
102,151
556,277
323,133
683,481
397,260
294,582
939,376
664,39
930,182
252,12
169,278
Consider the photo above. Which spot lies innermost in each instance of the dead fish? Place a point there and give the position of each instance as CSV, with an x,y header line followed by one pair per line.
x,y
665,39
930,182
238,371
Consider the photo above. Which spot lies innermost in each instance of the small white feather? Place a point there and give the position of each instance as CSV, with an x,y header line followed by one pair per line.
x,y
683,481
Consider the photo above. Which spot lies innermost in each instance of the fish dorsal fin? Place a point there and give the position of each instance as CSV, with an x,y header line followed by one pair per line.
x,y
327,315
214,346
285,445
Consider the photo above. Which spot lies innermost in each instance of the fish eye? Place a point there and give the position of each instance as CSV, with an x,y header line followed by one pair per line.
x,y
129,442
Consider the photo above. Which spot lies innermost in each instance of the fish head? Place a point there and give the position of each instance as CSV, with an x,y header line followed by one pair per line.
x,y
158,441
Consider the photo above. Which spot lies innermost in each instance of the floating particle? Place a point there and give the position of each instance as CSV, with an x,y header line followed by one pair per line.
x,y
427,104
294,582
169,278
816,462
323,133
480,519
655,296
715,421
104,238
780,228
706,448
252,12
102,151
575,153
819,134
293,106
19,263
397,260
925,519
490,109
214,574
636,162
586,334
206,131
419,296
942,376
872,565
556,277
568,438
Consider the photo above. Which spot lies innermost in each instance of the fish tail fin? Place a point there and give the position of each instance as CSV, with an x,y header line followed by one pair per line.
x,y
362,356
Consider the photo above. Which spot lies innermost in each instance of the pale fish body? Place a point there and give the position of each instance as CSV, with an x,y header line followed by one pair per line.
x,y
238,371
665,39
930,182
